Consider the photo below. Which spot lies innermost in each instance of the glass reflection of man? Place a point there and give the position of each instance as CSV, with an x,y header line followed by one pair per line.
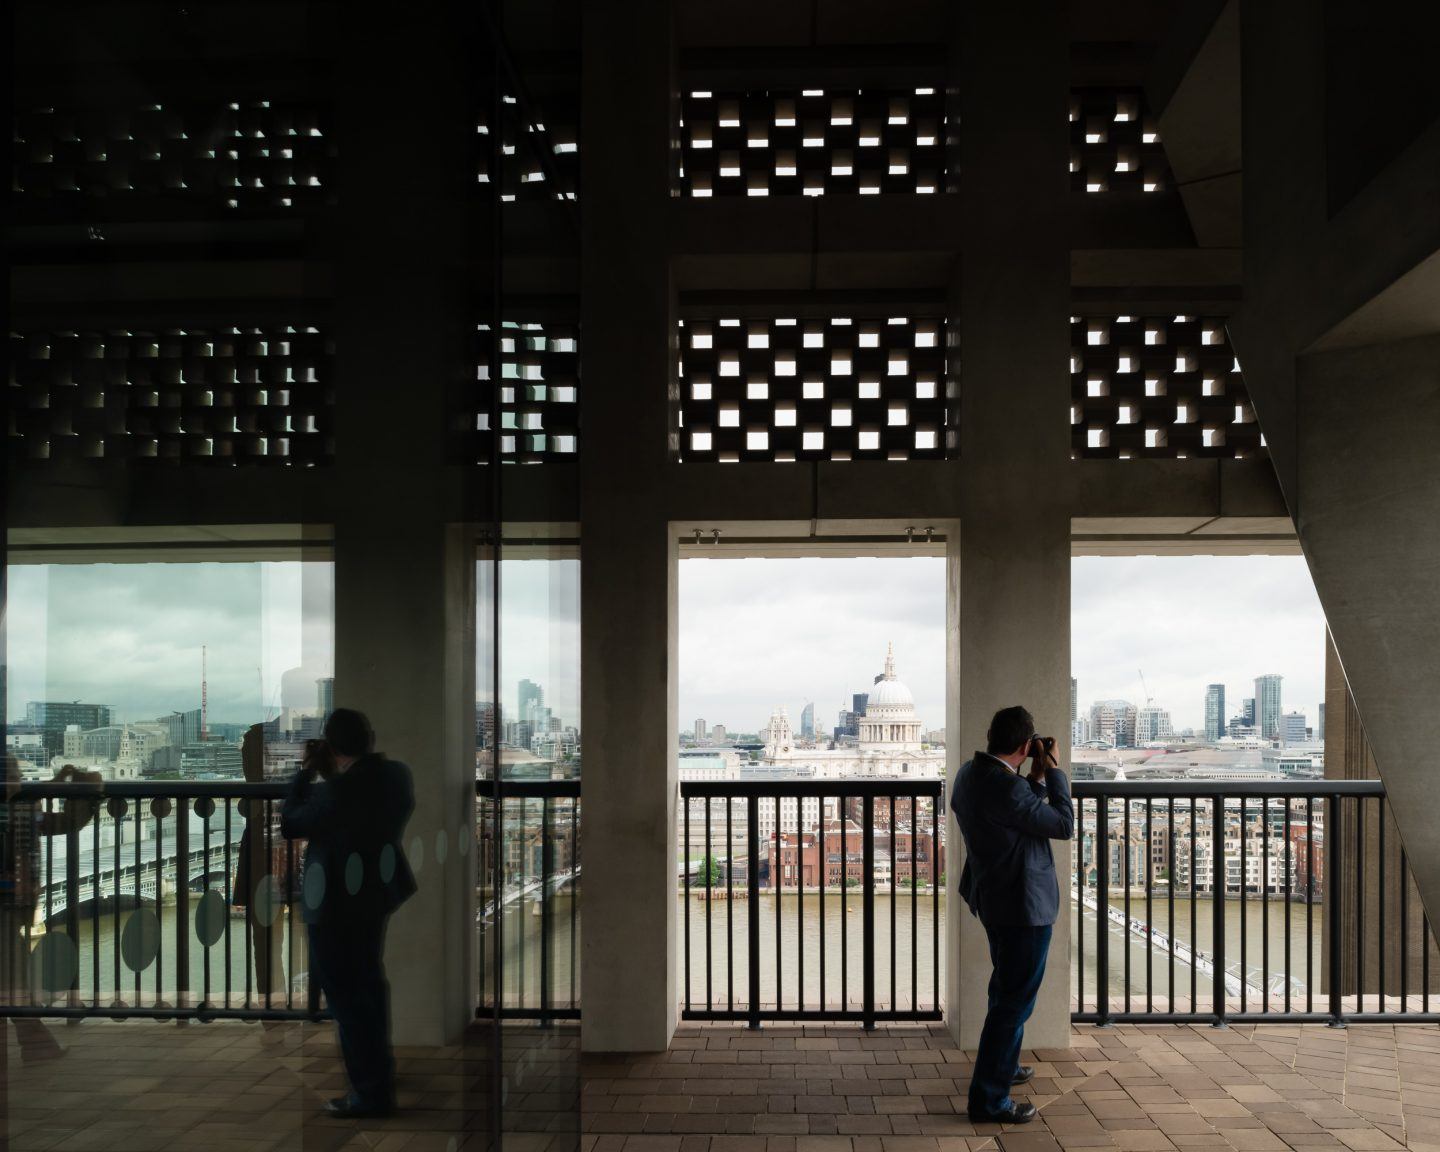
x,y
262,880
355,875
22,824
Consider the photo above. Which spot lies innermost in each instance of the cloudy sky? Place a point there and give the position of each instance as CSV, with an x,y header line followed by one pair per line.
x,y
754,634
129,635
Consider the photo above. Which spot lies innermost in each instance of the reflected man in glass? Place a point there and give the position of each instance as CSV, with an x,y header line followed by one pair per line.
x,y
355,875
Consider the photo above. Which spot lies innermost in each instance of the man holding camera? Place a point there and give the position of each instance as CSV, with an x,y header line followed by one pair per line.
x,y
1007,821
355,876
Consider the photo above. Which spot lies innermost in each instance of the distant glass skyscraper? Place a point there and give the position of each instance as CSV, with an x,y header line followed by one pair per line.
x,y
1214,711
326,688
807,721
1267,705
532,699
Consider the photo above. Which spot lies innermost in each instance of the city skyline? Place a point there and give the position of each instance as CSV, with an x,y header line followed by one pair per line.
x,y
1188,622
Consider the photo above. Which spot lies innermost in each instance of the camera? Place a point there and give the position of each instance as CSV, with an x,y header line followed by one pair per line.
x,y
319,757
1041,748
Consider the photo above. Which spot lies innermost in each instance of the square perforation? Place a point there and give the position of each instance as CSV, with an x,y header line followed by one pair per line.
x,y
804,388
811,142
234,395
539,395
555,134
1163,387
251,156
1115,143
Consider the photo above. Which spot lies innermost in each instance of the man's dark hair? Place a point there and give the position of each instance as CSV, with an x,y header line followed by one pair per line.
x,y
349,733
1009,728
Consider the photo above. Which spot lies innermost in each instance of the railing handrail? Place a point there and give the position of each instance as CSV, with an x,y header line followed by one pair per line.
x,y
1222,789
897,786
528,789
148,789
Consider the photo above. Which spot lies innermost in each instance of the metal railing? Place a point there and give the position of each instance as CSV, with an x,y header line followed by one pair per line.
x,y
1286,901
816,847
118,899
529,931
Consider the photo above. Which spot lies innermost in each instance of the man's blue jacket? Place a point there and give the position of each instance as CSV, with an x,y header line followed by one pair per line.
x,y
1009,876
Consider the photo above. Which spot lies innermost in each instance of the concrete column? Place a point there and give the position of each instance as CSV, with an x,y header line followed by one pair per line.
x,y
1011,301
404,558
629,570
404,655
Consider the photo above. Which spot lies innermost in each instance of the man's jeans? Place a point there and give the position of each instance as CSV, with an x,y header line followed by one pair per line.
x,y
1018,957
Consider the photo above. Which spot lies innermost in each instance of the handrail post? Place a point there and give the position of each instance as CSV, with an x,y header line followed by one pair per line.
x,y
1217,906
867,841
1333,889
182,901
1102,904
547,912
752,913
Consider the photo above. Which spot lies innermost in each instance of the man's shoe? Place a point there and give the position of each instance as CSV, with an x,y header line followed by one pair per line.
x,y
1017,1113
1023,1074
351,1107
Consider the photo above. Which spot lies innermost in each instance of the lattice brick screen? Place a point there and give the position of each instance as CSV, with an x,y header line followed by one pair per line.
x,y
1114,143
238,395
811,142
1166,387
840,388
556,131
539,395
244,156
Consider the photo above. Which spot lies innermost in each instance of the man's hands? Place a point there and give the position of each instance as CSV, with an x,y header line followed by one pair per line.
x,y
1042,757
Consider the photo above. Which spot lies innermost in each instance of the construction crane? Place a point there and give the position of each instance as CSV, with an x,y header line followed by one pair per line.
x,y
1149,700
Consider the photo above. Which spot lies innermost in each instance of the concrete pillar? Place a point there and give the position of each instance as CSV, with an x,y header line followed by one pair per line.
x,y
404,557
1011,298
629,567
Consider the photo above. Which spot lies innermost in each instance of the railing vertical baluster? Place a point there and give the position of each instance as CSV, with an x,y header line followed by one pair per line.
x,y
157,810
800,903
1289,862
1380,902
72,895
95,890
288,912
1079,902
1265,904
1244,910
1404,933
729,906
520,914
139,892
1194,919
937,806
776,880
1217,910
867,869
844,909
1102,906
229,898
914,912
49,890
1310,891
1424,960
120,813
1125,872
1332,903
547,910
575,902
1360,815
1149,909
894,899
685,881
709,905
752,883
182,901
820,856
1170,896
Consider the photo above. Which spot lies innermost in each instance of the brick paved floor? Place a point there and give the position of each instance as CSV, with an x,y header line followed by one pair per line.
x,y
1147,1088
138,1085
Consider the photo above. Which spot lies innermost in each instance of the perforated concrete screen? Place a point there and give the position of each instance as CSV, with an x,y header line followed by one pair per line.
x,y
236,395
836,388
553,133
235,157
1114,143
1157,386
539,394
811,142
